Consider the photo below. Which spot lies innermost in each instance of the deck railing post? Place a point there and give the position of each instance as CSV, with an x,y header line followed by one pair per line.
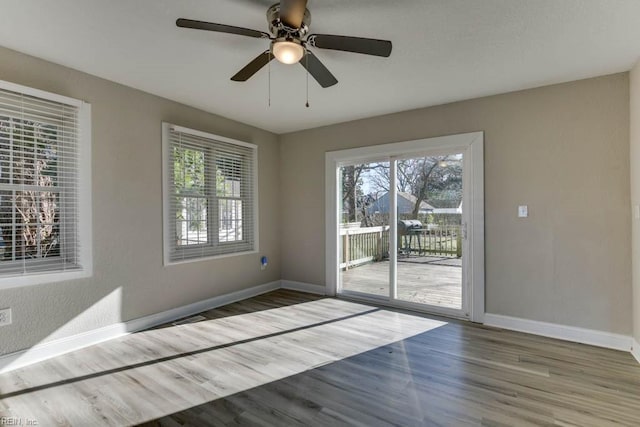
x,y
346,250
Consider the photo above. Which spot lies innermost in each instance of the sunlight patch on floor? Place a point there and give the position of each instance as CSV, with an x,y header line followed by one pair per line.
x,y
148,375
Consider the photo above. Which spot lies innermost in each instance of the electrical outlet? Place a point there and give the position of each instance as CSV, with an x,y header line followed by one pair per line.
x,y
5,317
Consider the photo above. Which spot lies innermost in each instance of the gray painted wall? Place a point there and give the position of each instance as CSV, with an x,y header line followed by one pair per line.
x,y
129,279
563,150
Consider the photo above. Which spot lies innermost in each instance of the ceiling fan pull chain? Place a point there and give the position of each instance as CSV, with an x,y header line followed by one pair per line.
x,y
269,84
306,58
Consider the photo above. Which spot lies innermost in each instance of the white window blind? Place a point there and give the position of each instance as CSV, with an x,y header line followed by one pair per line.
x,y
39,183
210,195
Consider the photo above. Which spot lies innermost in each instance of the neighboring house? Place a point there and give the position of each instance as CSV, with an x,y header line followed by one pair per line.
x,y
447,206
406,203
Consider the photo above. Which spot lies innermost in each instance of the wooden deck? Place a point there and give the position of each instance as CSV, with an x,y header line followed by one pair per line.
x,y
426,280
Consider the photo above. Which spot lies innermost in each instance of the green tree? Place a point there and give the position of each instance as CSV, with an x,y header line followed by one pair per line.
x,y
189,182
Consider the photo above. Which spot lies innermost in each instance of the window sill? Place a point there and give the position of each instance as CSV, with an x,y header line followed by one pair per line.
x,y
9,282
209,258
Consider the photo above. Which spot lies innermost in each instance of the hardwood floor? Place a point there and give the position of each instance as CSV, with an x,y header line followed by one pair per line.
x,y
288,358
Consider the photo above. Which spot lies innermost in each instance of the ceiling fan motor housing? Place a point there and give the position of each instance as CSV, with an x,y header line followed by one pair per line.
x,y
279,30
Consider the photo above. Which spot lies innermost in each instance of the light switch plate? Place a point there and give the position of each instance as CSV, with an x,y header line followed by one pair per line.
x,y
636,212
523,211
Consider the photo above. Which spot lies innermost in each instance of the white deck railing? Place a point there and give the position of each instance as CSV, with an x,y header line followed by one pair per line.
x,y
366,244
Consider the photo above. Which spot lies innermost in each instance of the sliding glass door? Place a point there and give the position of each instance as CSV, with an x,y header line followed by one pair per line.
x,y
364,228
430,237
402,230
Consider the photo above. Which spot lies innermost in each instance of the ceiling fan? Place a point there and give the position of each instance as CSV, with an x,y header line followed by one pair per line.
x,y
289,25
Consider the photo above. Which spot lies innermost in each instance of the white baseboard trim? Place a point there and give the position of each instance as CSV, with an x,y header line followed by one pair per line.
x,y
563,332
303,287
635,349
198,307
40,352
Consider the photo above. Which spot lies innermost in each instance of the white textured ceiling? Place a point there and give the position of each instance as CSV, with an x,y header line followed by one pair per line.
x,y
443,51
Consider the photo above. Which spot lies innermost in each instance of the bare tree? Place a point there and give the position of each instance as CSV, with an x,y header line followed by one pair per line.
x,y
350,182
419,176
353,197
422,170
29,217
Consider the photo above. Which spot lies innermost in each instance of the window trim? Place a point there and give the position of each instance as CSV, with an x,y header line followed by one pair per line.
x,y
85,237
167,186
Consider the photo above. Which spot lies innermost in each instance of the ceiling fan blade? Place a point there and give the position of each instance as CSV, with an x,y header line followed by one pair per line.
x,y
351,44
292,12
220,28
317,69
253,67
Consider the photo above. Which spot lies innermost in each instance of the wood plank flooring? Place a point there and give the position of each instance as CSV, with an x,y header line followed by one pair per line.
x,y
434,284
288,358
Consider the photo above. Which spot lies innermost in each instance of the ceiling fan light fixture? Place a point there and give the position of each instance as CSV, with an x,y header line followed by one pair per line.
x,y
287,51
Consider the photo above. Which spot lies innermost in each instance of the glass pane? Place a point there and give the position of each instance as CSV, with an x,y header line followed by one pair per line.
x,y
47,156
364,228
191,221
189,171
28,153
230,218
6,227
50,243
429,235
228,176
29,220
37,225
5,150
24,148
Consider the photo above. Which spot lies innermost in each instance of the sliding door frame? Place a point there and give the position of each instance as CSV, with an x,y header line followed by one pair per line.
x,y
472,146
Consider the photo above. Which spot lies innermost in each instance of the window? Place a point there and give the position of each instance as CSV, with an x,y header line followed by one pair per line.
x,y
44,162
210,198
